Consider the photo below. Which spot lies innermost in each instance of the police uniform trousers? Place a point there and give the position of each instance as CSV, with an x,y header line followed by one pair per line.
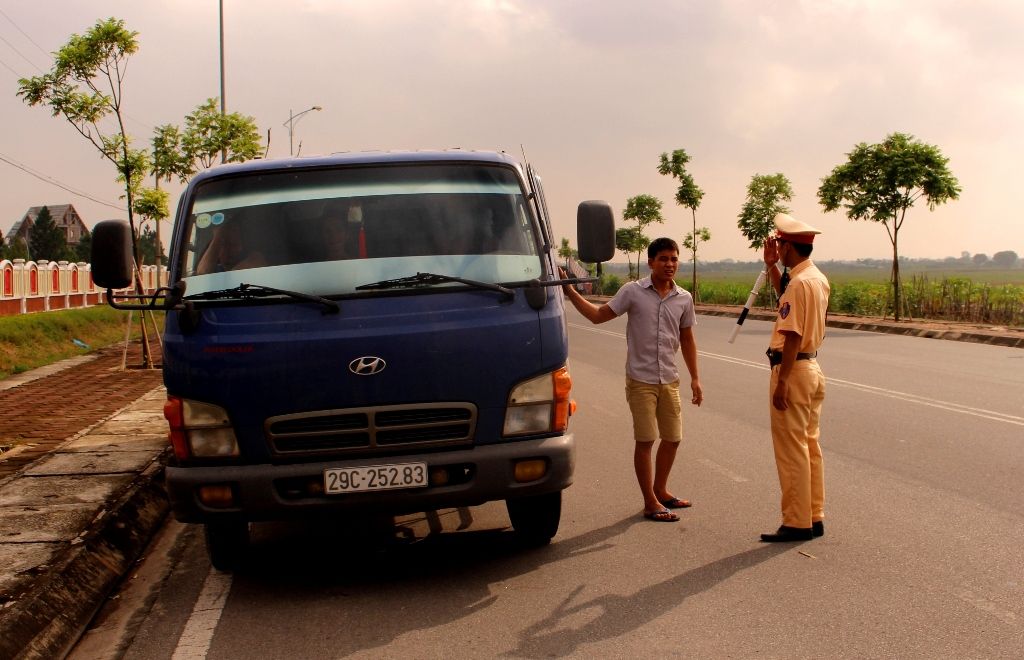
x,y
795,439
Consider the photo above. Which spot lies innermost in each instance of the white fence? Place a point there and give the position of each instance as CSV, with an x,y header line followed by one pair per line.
x,y
30,286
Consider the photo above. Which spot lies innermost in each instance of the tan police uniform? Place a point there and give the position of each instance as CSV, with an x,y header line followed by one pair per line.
x,y
795,430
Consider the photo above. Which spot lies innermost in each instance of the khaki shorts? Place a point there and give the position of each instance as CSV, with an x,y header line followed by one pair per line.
x,y
656,410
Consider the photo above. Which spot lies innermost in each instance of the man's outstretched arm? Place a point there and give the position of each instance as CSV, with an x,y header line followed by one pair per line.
x,y
593,313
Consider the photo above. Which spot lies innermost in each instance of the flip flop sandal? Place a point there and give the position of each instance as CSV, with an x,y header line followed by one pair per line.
x,y
661,516
676,503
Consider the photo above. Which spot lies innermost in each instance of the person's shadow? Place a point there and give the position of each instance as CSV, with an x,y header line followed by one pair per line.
x,y
622,614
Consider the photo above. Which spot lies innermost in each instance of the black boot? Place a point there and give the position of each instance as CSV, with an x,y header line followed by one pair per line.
x,y
789,534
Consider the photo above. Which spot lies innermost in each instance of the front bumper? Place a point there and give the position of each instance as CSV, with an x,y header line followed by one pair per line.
x,y
278,492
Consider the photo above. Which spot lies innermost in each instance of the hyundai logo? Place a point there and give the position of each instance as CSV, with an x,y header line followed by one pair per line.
x,y
368,365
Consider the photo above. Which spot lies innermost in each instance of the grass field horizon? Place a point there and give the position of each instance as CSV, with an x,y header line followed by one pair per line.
x,y
934,290
839,271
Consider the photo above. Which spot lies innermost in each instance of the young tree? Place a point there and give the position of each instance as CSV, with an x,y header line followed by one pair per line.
x,y
168,159
208,134
629,241
765,196
45,239
85,87
565,251
691,242
151,205
879,182
148,246
688,195
643,210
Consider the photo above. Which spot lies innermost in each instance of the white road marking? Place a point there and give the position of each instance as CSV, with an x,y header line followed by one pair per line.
x,y
870,389
986,605
195,639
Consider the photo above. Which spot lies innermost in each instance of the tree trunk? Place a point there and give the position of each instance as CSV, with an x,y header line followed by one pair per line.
x,y
156,223
897,300
694,283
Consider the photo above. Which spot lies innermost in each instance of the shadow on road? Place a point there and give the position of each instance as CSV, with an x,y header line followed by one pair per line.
x,y
382,578
621,614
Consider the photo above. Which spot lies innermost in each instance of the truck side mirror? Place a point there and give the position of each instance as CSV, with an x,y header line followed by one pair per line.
x,y
595,231
112,261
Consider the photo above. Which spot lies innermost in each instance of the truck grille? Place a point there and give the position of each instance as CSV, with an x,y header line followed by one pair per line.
x,y
368,430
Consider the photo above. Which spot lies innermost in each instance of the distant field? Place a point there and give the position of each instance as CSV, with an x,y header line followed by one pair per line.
x,y
954,292
849,273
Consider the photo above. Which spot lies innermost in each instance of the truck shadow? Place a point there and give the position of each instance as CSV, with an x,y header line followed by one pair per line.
x,y
384,577
377,579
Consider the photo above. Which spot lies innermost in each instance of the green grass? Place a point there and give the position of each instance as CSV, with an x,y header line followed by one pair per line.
x,y
28,341
957,293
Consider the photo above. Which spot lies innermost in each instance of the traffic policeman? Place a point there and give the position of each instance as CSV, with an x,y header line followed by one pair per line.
x,y
797,385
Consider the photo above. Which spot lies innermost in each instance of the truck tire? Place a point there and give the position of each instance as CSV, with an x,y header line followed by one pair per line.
x,y
226,543
535,518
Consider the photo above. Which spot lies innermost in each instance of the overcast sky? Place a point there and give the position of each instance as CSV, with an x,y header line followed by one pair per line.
x,y
593,92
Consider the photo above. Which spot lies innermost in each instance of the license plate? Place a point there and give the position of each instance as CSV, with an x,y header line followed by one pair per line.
x,y
375,477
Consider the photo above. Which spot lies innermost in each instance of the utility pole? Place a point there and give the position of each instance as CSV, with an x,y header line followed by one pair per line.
x,y
223,100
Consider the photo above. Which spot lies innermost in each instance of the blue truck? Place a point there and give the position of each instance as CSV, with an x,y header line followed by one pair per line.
x,y
369,332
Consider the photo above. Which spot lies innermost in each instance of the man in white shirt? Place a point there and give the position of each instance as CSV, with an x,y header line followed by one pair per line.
x,y
660,322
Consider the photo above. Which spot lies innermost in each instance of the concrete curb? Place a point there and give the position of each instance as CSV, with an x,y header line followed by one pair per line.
x,y
74,523
996,336
42,372
51,615
891,327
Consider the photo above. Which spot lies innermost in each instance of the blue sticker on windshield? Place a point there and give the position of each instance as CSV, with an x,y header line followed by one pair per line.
x,y
217,218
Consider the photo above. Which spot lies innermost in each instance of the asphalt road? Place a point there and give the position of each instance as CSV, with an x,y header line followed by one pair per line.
x,y
924,445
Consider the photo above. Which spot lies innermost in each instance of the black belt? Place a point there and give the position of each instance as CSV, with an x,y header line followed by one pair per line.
x,y
775,357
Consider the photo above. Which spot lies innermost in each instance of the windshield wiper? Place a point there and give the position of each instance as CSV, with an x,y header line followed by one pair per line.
x,y
247,291
429,279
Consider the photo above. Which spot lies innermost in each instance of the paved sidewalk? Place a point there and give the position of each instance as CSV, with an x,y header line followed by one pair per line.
x,y
81,489
81,493
42,408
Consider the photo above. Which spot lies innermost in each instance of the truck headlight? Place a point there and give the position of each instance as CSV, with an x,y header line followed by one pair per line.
x,y
199,430
540,404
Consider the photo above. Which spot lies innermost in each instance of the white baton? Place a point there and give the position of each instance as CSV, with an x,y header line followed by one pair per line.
x,y
750,303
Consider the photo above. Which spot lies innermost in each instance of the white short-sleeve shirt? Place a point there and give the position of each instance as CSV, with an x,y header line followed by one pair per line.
x,y
652,329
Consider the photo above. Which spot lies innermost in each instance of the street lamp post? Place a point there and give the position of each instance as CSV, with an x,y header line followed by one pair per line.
x,y
291,125
223,102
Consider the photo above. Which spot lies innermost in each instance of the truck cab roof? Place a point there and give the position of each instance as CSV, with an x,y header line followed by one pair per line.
x,y
360,158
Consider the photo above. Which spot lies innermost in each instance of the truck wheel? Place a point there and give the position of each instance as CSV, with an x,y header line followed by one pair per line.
x,y
226,543
535,518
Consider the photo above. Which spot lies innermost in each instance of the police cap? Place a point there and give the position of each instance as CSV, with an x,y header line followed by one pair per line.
x,y
790,229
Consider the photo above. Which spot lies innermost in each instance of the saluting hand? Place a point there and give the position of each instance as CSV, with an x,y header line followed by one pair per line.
x,y
771,252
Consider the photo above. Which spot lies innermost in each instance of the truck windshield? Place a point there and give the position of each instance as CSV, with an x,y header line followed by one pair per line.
x,y
328,231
